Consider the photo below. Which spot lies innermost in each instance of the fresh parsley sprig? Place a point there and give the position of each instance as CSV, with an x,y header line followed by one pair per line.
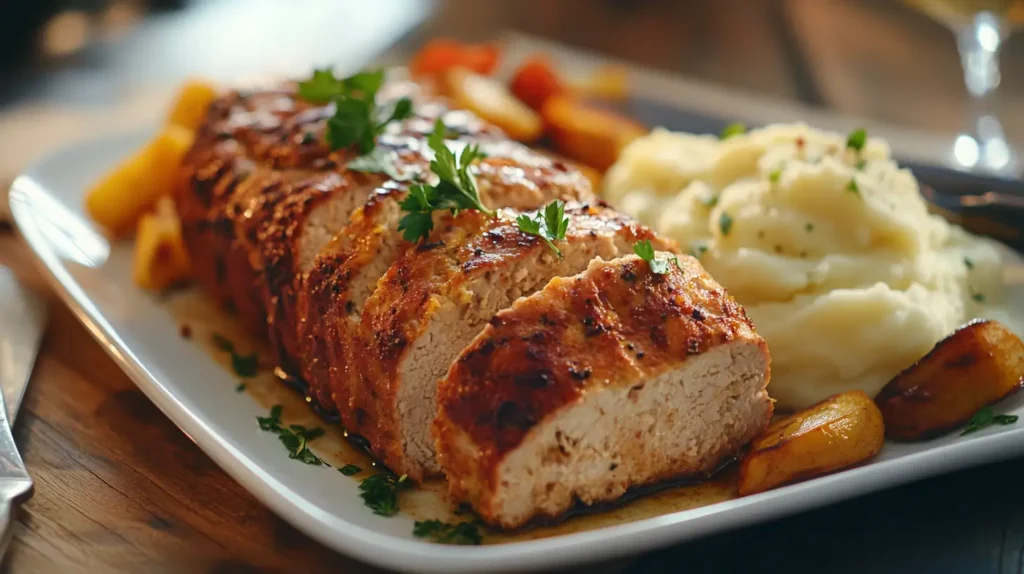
x,y
857,139
455,190
550,225
380,493
357,118
443,533
645,251
295,438
733,129
985,417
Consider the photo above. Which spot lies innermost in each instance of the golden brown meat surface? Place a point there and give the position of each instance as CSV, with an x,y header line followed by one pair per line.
x,y
615,378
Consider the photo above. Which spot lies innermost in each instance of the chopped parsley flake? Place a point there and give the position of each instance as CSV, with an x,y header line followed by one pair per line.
x,y
775,175
968,263
984,418
861,164
349,469
243,365
240,388
709,201
443,533
733,129
698,249
978,297
380,493
295,438
725,223
550,225
809,227
852,186
857,139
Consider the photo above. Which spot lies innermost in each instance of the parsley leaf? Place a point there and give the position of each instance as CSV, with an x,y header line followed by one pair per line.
x,y
349,469
725,223
550,225
733,129
775,175
455,190
380,493
968,263
357,119
852,186
985,417
809,227
978,297
644,250
444,533
857,139
272,422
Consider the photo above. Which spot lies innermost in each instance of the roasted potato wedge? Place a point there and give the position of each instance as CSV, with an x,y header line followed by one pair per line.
x,y
838,432
609,82
189,108
160,259
981,363
118,200
492,101
587,133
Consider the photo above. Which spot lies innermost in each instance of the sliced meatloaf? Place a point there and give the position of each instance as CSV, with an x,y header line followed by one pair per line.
x,y
329,301
434,299
612,379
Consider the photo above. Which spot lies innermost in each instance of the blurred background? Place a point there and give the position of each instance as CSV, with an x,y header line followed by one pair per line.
x,y
889,60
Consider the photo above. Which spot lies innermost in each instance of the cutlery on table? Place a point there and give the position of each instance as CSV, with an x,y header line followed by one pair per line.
x,y
22,319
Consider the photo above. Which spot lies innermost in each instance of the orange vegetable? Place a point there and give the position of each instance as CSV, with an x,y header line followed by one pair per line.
x,y
587,133
536,80
980,364
189,108
838,432
443,54
491,100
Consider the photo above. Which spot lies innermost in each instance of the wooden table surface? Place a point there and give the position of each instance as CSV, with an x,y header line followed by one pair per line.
x,y
120,489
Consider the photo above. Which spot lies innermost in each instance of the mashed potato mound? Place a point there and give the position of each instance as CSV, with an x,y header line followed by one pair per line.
x,y
830,249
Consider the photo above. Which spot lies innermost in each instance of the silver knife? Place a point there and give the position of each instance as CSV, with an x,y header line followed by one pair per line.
x,y
22,319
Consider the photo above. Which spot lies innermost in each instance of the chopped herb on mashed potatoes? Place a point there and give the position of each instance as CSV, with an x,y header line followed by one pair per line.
x,y
823,238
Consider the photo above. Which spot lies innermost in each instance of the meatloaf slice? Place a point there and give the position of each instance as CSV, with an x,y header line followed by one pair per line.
x,y
330,298
612,379
435,298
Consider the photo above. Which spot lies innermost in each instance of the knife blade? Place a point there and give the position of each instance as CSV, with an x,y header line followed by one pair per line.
x,y
22,316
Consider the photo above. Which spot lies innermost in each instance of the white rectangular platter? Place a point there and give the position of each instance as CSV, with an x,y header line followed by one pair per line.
x,y
141,332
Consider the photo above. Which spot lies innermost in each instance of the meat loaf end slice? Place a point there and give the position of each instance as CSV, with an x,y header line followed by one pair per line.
x,y
436,298
612,379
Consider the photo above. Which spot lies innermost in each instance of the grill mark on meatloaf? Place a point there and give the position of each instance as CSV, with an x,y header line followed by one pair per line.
x,y
538,341
420,283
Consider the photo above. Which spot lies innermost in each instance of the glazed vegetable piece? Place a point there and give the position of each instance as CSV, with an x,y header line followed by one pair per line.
x,y
838,432
492,101
189,108
980,364
609,82
132,188
587,133
444,54
160,259
536,80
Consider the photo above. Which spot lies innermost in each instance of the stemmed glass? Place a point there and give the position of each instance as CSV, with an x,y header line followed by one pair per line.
x,y
980,27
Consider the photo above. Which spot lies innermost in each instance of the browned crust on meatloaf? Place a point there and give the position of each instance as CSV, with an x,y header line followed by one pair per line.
x,y
615,324
471,246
